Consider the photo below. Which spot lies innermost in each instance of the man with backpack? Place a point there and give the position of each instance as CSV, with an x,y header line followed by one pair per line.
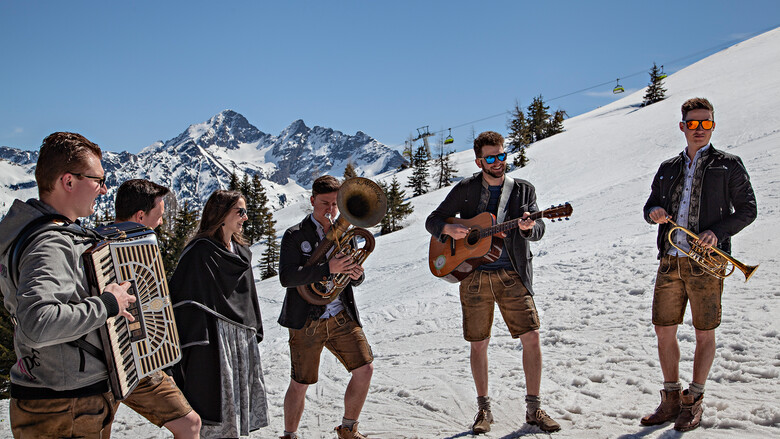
x,y
58,389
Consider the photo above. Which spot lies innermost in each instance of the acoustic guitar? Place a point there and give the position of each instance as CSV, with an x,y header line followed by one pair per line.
x,y
454,259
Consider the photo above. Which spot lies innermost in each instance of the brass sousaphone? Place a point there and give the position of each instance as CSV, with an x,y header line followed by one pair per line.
x,y
362,203
713,260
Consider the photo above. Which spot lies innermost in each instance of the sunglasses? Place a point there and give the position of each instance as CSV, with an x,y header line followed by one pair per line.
x,y
492,158
101,180
241,211
705,124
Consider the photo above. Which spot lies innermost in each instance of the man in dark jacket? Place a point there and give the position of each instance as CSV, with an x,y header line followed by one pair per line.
x,y
58,388
708,192
335,326
156,397
506,281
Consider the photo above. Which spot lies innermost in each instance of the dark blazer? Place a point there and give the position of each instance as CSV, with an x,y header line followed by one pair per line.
x,y
464,199
298,244
728,203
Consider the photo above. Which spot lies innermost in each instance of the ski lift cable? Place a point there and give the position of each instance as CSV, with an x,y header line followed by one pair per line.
x,y
720,46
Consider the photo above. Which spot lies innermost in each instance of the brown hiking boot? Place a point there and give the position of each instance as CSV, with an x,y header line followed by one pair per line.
x,y
542,420
345,433
667,411
690,412
482,422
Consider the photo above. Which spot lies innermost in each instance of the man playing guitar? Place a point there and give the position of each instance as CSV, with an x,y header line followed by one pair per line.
x,y
506,281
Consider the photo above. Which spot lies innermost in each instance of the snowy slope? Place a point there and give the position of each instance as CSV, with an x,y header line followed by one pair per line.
x,y
593,280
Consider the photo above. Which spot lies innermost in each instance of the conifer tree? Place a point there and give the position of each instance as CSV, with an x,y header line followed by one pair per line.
x,y
260,212
418,181
397,209
655,90
270,257
244,187
538,118
172,242
233,183
248,190
445,170
519,136
555,124
349,171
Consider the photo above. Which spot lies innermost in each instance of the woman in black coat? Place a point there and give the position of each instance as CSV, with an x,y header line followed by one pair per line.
x,y
218,319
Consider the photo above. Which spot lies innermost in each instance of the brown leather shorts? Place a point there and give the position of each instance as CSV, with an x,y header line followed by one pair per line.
x,y
482,289
340,334
157,399
680,280
86,417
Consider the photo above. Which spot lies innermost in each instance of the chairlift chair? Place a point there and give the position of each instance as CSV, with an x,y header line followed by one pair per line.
x,y
449,138
618,88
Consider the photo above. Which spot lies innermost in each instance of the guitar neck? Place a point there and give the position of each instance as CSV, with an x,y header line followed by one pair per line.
x,y
507,225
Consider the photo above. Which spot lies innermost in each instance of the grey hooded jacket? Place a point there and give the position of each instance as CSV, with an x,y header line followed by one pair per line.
x,y
52,306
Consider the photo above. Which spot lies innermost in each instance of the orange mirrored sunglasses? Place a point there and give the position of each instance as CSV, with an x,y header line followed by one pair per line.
x,y
705,124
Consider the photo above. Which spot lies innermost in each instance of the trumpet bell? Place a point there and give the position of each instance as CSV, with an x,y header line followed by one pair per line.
x,y
714,261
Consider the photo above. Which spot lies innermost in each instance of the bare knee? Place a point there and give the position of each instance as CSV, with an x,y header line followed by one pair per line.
x,y
188,426
705,338
364,372
296,388
530,340
480,346
666,333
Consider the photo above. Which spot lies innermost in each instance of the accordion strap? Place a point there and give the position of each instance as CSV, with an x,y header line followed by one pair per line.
x,y
89,348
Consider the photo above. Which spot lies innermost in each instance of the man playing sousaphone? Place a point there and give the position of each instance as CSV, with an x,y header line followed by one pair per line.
x,y
335,325
708,192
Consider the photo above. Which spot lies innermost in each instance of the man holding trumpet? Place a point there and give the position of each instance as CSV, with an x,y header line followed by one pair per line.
x,y
708,192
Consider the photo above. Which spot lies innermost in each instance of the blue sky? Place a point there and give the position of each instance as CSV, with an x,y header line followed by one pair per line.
x,y
126,74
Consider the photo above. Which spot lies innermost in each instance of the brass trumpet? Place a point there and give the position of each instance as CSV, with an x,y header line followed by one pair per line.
x,y
362,203
715,266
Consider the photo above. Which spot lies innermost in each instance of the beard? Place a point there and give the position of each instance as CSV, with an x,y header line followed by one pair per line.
x,y
495,174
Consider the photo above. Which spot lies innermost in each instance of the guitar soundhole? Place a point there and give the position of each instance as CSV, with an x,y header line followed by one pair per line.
x,y
473,237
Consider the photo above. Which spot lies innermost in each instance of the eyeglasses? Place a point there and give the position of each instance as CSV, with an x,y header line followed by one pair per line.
x,y
101,180
241,211
492,158
705,124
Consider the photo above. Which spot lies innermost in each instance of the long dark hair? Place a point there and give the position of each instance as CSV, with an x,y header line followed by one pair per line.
x,y
219,205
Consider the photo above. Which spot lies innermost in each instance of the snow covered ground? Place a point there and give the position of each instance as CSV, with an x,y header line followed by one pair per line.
x,y
594,281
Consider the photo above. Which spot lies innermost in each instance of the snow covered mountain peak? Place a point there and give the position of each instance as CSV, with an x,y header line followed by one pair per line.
x,y
201,159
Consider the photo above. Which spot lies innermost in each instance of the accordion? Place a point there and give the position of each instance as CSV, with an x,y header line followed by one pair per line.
x,y
133,350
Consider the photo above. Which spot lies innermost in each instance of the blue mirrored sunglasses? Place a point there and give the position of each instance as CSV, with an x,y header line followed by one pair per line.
x,y
492,158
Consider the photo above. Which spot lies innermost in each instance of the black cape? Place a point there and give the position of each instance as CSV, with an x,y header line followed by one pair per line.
x,y
212,276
